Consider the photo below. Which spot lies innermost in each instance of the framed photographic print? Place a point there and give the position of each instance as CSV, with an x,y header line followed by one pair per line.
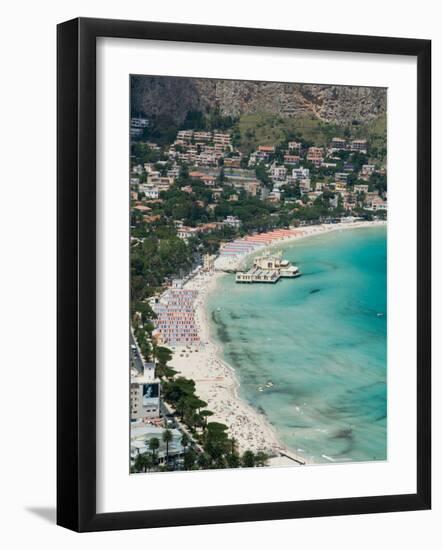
x,y
243,274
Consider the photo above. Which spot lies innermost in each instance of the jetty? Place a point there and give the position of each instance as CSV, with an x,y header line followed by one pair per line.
x,y
268,269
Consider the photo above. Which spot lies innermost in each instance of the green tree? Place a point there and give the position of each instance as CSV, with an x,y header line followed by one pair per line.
x,y
261,173
233,460
248,459
183,174
216,442
163,355
205,415
154,445
185,441
203,461
167,438
165,372
189,459
261,458
144,462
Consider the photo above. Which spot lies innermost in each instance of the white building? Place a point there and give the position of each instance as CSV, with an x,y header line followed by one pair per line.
x,y
138,169
274,195
300,173
341,177
174,172
150,191
294,146
361,188
185,233
139,443
376,204
367,169
139,122
278,173
145,394
232,221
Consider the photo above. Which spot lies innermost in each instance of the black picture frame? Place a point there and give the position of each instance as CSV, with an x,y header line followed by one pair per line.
x,y
76,274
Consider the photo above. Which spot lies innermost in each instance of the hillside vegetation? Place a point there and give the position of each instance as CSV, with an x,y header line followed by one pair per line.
x,y
266,128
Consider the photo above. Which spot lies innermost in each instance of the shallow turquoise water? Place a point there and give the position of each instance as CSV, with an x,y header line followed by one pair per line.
x,y
321,340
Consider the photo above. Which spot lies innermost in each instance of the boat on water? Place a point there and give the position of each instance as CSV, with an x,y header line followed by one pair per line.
x,y
268,269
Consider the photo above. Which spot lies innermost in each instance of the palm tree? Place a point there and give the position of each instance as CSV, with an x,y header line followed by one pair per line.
x,y
167,438
185,442
154,445
139,466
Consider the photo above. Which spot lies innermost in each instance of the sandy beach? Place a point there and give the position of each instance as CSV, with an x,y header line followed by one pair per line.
x,y
216,382
239,261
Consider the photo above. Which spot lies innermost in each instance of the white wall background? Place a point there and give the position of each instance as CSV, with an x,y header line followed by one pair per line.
x,y
27,292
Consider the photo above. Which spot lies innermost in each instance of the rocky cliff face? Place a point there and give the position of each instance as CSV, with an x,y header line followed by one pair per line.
x,y
176,96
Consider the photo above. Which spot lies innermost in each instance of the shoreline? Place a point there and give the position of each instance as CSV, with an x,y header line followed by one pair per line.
x,y
217,382
237,263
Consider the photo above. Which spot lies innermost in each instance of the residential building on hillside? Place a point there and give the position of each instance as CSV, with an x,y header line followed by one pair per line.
x,y
367,169
232,221
341,177
202,136
185,135
305,185
360,188
221,139
315,155
185,233
278,172
150,191
294,146
338,144
340,186
291,159
139,122
376,204
359,145
274,195
300,173
232,162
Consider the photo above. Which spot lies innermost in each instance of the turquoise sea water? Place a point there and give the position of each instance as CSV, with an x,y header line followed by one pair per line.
x,y
320,339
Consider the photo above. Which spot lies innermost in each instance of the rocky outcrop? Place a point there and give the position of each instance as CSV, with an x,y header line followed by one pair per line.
x,y
175,96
